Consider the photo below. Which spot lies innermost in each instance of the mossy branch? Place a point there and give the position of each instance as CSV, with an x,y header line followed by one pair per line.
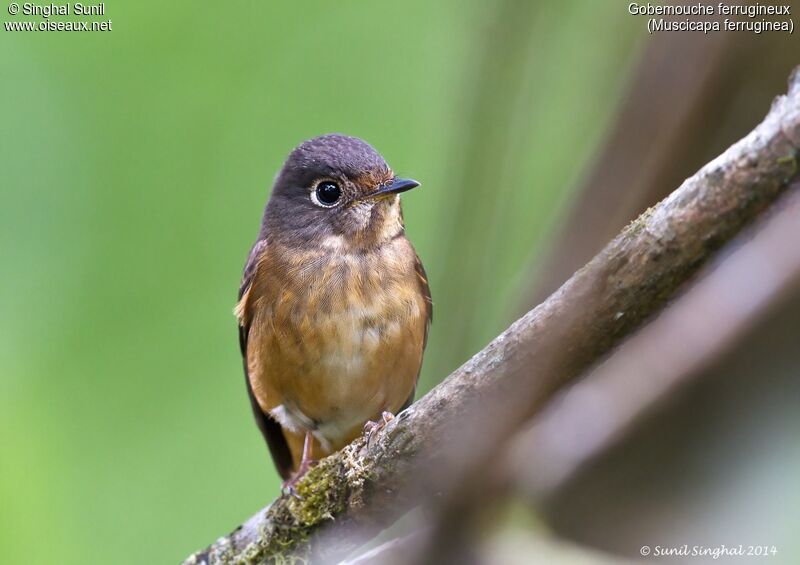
x,y
362,490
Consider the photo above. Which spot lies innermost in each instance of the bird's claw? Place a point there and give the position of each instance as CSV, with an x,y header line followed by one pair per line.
x,y
288,486
371,428
289,490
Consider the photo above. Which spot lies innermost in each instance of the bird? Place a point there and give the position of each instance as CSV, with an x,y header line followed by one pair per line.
x,y
334,304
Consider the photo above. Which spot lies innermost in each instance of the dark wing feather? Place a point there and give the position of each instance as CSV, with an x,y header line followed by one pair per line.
x,y
270,429
425,288
426,293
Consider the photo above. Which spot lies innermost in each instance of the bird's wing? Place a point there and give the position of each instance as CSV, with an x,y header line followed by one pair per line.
x,y
426,294
270,429
425,289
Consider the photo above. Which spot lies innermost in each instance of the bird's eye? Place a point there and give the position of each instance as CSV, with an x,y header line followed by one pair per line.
x,y
326,194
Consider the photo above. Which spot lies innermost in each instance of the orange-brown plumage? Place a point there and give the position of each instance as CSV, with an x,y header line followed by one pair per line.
x,y
334,319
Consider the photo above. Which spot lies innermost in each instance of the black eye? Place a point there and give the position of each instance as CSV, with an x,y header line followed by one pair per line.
x,y
328,193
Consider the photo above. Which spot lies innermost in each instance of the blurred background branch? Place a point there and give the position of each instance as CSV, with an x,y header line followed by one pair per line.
x,y
718,314
672,118
632,278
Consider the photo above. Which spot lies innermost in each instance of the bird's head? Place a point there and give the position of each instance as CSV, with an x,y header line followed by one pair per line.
x,y
337,191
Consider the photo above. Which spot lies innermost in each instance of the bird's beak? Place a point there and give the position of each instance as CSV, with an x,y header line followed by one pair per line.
x,y
396,186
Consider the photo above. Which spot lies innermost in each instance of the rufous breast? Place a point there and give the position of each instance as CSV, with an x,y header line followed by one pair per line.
x,y
337,336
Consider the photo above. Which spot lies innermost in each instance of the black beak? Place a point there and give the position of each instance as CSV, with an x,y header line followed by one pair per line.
x,y
397,186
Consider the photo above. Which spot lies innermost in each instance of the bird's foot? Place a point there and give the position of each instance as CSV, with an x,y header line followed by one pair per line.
x,y
371,428
288,486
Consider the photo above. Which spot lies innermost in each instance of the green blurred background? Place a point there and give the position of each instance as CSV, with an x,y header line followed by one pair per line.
x,y
134,167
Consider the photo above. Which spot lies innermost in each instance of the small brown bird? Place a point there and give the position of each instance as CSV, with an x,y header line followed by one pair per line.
x,y
334,305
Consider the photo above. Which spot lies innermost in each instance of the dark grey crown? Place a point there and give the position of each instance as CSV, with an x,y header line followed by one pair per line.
x,y
332,154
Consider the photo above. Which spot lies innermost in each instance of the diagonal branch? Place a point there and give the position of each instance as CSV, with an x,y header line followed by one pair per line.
x,y
363,490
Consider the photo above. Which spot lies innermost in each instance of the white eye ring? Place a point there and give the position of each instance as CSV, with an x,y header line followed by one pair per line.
x,y
324,190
